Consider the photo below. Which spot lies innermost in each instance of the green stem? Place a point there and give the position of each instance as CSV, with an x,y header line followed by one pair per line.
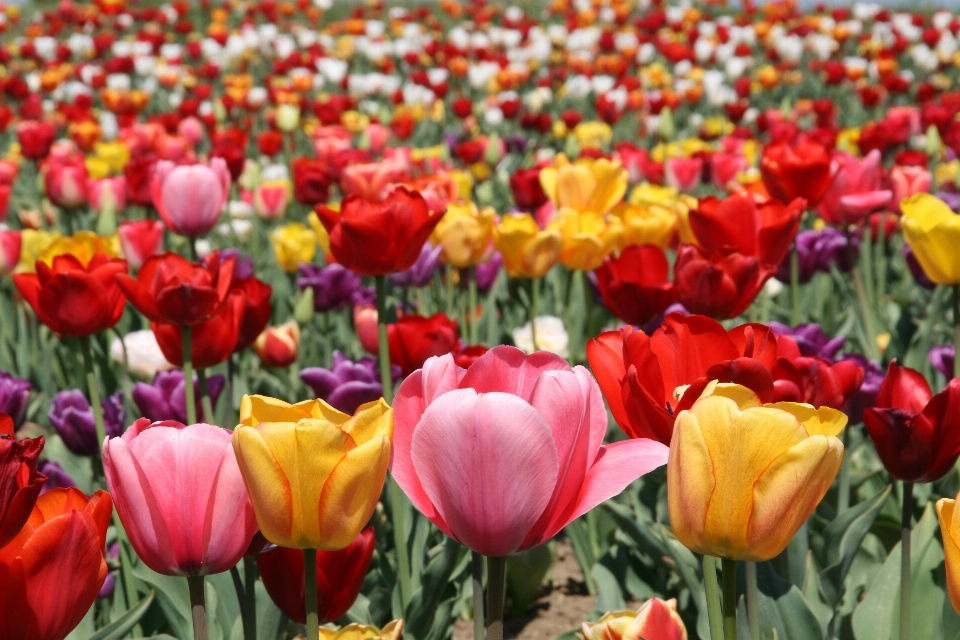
x,y
448,272
729,572
241,597
384,347
205,402
310,593
956,330
753,616
476,564
869,328
713,597
189,396
794,285
905,570
496,581
472,303
534,300
198,607
843,490
93,389
398,510
126,569
250,603
881,258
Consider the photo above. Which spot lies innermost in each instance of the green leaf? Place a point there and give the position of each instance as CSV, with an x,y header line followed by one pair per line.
x,y
525,573
423,605
609,594
269,618
783,611
580,541
122,625
174,598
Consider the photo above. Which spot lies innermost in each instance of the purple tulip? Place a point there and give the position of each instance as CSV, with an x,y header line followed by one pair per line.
x,y
165,397
243,267
817,251
811,340
421,273
486,272
951,199
866,397
332,285
110,583
347,385
943,358
919,276
364,297
72,417
57,478
14,396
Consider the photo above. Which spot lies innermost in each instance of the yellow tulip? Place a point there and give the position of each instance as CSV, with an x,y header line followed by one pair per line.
x,y
392,631
646,194
464,234
323,238
589,184
932,230
742,477
293,245
464,182
949,517
645,224
593,134
82,244
314,474
527,250
655,619
115,155
587,238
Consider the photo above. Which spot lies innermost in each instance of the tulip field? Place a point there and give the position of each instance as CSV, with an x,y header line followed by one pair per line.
x,y
394,321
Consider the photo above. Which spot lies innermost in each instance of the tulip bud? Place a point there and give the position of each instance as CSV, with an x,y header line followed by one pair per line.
x,y
288,117
303,311
933,143
655,619
107,221
365,324
492,154
525,573
571,147
278,346
10,244
666,129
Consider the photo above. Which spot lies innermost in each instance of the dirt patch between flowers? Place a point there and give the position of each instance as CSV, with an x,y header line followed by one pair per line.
x,y
562,605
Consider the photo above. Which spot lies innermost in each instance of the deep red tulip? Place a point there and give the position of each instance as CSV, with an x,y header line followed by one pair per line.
x,y
814,380
169,289
212,340
414,338
722,287
43,596
636,285
270,142
528,194
466,356
339,578
35,138
804,170
311,180
916,433
20,482
74,299
640,374
377,238
765,231
256,309
138,173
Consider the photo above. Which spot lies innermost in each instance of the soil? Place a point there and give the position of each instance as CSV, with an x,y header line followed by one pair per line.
x,y
562,605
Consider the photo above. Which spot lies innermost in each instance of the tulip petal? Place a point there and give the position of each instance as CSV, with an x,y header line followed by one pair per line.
x,y
691,481
266,483
509,370
823,421
947,514
372,420
489,464
351,492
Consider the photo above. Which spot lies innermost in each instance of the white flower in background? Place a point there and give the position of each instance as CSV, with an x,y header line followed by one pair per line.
x,y
866,10
118,82
551,336
143,356
538,98
108,126
941,20
375,28
171,51
493,116
332,69
772,288
239,228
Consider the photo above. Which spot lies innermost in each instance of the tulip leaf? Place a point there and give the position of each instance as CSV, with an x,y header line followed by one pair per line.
x,y
609,594
270,619
842,539
423,607
122,625
783,611
579,538
173,597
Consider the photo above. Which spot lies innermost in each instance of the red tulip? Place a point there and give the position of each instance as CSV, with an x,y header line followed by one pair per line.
x,y
414,338
466,356
639,374
311,180
212,340
74,299
138,173
140,239
377,238
35,138
722,287
270,142
170,289
916,433
796,171
636,285
340,575
278,346
528,194
52,571
815,381
738,223
66,183
20,482
256,309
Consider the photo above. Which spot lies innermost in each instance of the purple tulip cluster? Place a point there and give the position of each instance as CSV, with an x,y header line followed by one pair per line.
x,y
14,396
333,285
72,417
165,397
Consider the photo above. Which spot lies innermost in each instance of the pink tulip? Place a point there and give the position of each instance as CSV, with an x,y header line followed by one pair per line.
x,y
855,193
724,168
329,141
10,243
365,324
907,181
378,135
192,129
139,240
108,192
190,197
370,180
174,148
66,183
503,455
270,199
683,173
180,496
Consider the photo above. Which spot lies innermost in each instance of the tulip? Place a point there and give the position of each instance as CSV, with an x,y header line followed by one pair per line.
x,y
139,353
311,182
43,596
587,238
486,272
914,431
811,340
635,286
421,273
35,138
57,478
819,251
332,285
73,298
72,417
82,245
530,426
346,385
720,287
314,474
180,496
293,244
683,173
725,167
551,336
947,514
14,397
655,620
414,338
340,575
813,380
20,480
464,234
588,184
801,171
354,631
212,340
379,238
138,172
164,399
190,198
527,251
271,198
639,374
66,183
908,182
139,240
737,223
645,224
371,180
855,191
365,324
278,346
743,476
257,309
10,244
528,194
108,194
932,230
288,117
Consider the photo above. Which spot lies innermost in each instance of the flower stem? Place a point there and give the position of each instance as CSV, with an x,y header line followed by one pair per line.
x,y
94,390
534,300
208,416
905,571
472,303
198,607
956,330
794,285
843,490
398,512
713,597
385,378
310,594
729,598
250,604
476,563
496,581
753,616
189,396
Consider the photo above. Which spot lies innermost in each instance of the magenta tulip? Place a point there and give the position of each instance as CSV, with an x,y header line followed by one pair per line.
x,y
190,198
180,496
503,455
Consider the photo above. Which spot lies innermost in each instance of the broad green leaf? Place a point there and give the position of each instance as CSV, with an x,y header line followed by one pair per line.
x,y
423,605
609,594
122,625
580,541
174,599
783,611
269,618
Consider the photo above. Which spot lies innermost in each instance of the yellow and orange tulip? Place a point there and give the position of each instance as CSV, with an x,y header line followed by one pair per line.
x,y
589,184
949,518
527,250
655,619
588,238
464,234
393,631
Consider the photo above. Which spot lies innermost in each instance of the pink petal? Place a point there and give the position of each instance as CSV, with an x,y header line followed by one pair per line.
x,y
510,370
489,464
860,204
